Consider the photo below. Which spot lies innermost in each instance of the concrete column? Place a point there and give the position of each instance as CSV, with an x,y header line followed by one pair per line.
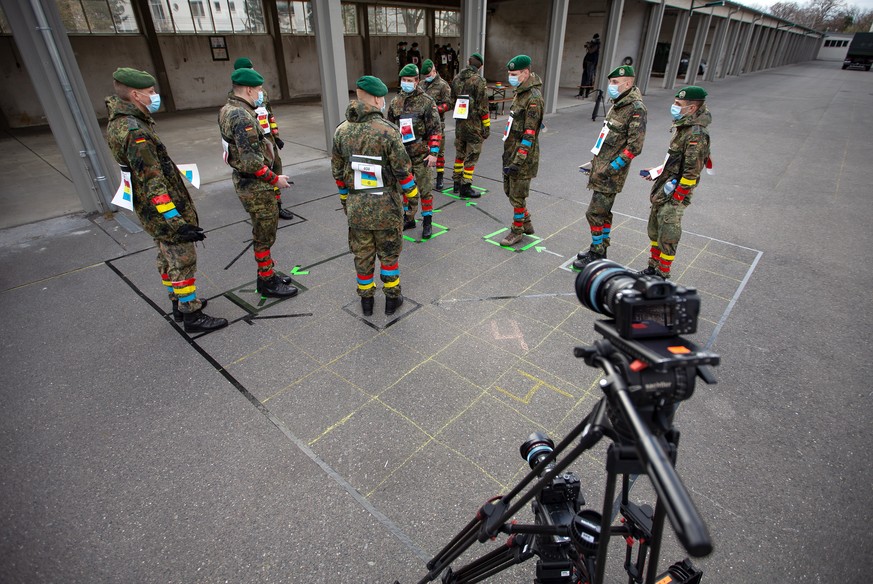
x,y
753,45
676,46
473,30
329,41
364,19
147,26
557,29
716,53
610,45
644,73
700,35
781,49
733,47
775,42
761,49
45,49
275,31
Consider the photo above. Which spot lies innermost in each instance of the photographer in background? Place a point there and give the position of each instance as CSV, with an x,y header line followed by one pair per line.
x,y
687,156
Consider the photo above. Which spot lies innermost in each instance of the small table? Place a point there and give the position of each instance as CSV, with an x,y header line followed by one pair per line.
x,y
498,95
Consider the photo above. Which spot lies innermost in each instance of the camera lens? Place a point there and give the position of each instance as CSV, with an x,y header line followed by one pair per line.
x,y
600,283
537,448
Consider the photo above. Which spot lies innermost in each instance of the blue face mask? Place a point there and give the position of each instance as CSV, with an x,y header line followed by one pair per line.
x,y
430,79
155,103
514,80
612,90
260,101
407,86
676,112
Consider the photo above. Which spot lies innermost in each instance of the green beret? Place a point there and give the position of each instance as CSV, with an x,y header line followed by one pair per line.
x,y
478,56
247,77
622,71
133,78
518,63
372,85
409,70
692,92
243,63
426,67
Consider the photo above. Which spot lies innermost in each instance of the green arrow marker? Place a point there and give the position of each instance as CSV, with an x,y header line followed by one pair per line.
x,y
295,271
471,203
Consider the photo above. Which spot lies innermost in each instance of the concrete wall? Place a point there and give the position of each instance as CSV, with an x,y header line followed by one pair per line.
x,y
18,99
512,28
630,37
580,29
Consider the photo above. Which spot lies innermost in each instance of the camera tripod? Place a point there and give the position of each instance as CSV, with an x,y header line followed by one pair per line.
x,y
639,446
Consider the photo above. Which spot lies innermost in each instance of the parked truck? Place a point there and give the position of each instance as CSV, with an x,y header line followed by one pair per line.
x,y
860,52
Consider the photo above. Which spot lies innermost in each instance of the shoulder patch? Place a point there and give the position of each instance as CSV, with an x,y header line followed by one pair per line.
x,y
639,105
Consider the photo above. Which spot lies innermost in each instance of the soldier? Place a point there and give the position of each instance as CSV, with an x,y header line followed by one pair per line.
x,y
440,60
438,88
267,122
521,146
620,141
676,179
371,167
472,124
401,54
414,55
416,113
453,60
251,154
160,199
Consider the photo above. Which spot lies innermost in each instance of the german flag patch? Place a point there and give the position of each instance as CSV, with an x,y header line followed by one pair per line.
x,y
249,128
140,140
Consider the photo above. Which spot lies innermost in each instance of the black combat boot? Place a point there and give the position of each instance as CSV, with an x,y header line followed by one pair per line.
x,y
468,192
426,228
439,182
177,314
587,258
392,303
456,187
285,213
198,322
274,287
408,222
649,271
367,305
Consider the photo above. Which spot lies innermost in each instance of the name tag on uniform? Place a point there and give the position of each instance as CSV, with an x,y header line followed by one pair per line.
x,y
444,60
124,195
462,108
263,119
368,173
659,170
226,148
508,128
600,139
407,133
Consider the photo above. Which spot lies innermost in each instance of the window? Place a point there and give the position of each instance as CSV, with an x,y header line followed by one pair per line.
x,y
447,23
392,20
295,17
207,16
97,16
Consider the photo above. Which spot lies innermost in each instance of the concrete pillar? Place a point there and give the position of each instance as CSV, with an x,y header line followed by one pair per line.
x,y
716,53
644,73
275,32
700,35
733,47
552,77
45,50
779,56
473,30
775,41
753,45
147,26
610,45
761,49
676,46
327,22
364,19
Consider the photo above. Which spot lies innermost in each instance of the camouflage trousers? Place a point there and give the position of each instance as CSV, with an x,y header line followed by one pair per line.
x,y
366,244
466,157
277,168
599,217
424,182
261,205
517,189
665,230
177,263
441,155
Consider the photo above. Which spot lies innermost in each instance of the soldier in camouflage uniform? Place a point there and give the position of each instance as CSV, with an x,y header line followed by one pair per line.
x,y
619,142
268,125
439,89
160,199
251,154
521,146
416,114
472,124
676,180
371,168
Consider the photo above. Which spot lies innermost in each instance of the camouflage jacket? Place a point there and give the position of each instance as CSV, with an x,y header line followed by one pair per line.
x,y
160,198
421,110
477,126
626,121
265,117
522,144
366,140
441,93
248,150
687,156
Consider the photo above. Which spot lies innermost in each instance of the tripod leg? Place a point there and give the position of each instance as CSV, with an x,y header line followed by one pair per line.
x,y
657,531
515,551
603,546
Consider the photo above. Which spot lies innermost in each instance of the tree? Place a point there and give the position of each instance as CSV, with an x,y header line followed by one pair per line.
x,y
411,18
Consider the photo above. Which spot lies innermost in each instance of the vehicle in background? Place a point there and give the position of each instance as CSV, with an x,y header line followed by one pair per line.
x,y
860,52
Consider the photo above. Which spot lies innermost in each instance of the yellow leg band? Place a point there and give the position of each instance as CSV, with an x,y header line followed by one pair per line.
x,y
366,286
392,284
